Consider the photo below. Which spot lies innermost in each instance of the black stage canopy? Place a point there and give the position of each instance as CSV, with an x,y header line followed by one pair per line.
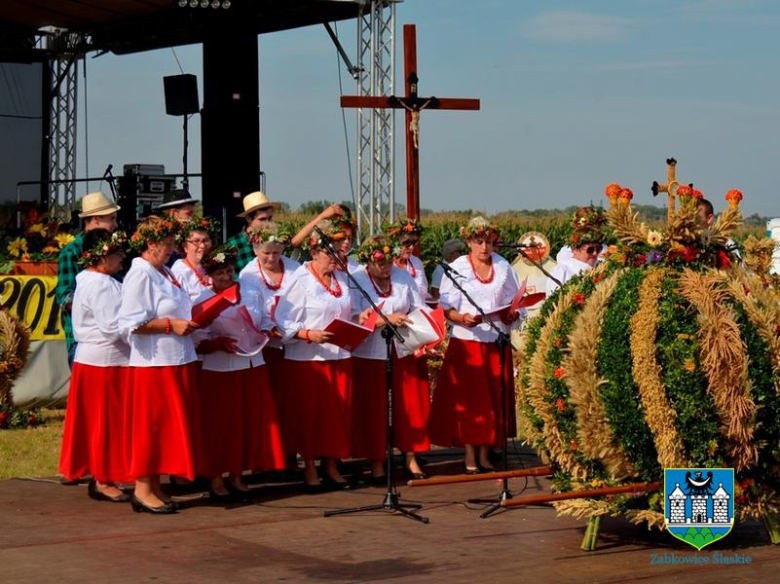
x,y
128,26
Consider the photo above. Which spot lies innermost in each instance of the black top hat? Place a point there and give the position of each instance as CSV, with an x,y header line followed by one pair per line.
x,y
176,198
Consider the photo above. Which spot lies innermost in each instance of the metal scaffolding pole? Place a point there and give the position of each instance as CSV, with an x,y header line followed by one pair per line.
x,y
376,136
66,50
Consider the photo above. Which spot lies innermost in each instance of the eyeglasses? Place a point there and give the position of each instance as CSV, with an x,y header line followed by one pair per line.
x,y
199,242
592,250
409,243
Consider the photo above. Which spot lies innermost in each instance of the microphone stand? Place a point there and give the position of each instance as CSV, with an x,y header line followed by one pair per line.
x,y
503,342
108,176
391,501
519,248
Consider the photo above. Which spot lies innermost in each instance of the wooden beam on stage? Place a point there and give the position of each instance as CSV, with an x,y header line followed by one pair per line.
x,y
584,494
538,471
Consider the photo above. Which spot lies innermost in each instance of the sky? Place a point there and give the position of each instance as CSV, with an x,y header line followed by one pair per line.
x,y
575,95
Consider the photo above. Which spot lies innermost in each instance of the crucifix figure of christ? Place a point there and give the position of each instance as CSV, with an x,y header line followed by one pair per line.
x,y
413,104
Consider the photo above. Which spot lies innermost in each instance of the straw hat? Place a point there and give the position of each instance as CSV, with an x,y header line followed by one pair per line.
x,y
97,204
176,198
255,201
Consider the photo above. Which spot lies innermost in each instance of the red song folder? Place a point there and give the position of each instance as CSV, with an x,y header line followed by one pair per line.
x,y
346,334
205,312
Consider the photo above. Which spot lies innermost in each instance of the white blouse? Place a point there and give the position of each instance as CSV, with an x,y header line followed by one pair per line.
x,y
96,321
565,271
189,279
418,273
491,296
230,324
147,294
404,298
307,305
252,283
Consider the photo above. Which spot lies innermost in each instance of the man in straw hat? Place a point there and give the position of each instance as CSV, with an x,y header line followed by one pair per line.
x,y
98,212
177,205
257,209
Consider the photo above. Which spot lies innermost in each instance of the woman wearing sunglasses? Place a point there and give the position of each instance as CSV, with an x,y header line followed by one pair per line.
x,y
407,233
586,243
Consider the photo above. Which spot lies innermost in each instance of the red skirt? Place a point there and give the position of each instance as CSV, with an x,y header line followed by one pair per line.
x,y
275,367
317,408
94,440
165,427
262,441
411,400
222,427
467,402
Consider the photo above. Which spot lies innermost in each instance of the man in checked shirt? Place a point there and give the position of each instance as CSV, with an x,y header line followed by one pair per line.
x,y
98,212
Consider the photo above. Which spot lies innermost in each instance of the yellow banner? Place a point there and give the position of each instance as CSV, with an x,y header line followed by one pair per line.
x,y
31,298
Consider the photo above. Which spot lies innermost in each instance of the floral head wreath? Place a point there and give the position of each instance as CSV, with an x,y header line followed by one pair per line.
x,y
342,223
480,228
588,224
153,229
198,223
377,249
329,229
114,244
268,232
218,258
405,227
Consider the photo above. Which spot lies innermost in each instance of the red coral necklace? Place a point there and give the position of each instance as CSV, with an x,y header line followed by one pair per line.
x,y
266,281
379,291
333,292
409,267
170,277
490,276
203,281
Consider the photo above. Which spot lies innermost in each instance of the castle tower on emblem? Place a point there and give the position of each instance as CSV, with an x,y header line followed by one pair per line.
x,y
699,509
720,505
677,505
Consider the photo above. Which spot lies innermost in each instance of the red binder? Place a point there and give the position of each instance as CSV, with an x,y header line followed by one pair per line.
x,y
205,312
346,334
531,299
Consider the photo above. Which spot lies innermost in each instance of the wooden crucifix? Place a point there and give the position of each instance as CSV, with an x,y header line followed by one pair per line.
x,y
413,104
670,187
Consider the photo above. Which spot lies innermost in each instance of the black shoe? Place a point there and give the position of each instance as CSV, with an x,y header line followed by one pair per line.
x,y
238,494
141,507
486,469
330,484
472,471
377,481
97,495
221,497
313,489
415,476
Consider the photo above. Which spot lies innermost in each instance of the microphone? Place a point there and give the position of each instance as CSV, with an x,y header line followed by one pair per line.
x,y
108,170
449,270
519,245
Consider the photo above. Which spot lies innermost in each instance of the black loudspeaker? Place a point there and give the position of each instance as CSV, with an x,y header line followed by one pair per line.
x,y
181,95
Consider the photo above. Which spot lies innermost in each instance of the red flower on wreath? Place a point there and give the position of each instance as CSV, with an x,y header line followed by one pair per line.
x,y
573,446
723,260
559,372
597,278
560,404
578,298
690,254
697,194
640,259
3,419
684,191
626,194
558,342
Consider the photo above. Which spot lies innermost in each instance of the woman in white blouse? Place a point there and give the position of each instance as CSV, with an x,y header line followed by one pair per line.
x,y
94,437
196,238
239,419
395,290
269,276
586,244
407,232
156,317
466,409
318,393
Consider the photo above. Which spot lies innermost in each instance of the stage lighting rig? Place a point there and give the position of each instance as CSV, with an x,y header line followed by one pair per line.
x,y
215,4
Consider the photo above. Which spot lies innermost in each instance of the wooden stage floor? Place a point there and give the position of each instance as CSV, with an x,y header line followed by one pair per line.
x,y
54,533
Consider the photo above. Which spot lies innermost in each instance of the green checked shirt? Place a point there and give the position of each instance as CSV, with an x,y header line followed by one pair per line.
x,y
245,253
67,268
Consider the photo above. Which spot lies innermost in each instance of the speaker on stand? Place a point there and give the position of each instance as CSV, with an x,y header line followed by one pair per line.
x,y
181,99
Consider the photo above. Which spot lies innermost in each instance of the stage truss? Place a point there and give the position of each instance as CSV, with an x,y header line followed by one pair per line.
x,y
375,127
